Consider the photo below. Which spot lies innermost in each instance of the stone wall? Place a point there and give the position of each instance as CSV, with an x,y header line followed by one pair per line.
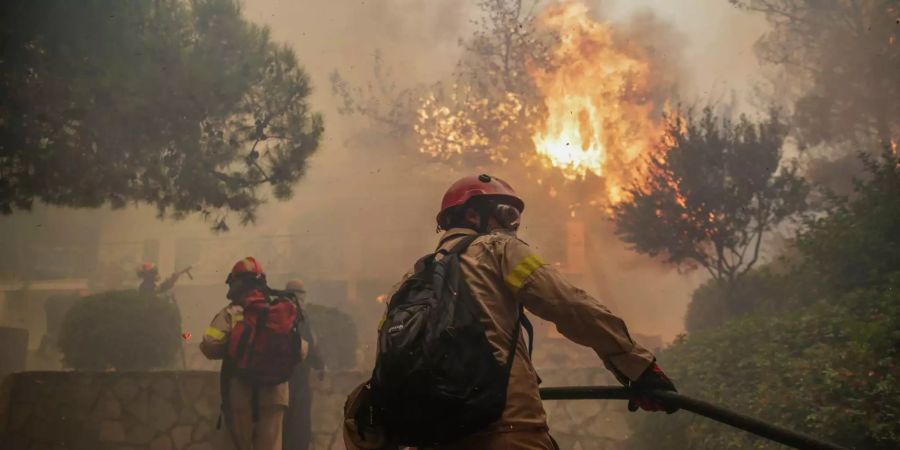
x,y
585,424
121,411
178,411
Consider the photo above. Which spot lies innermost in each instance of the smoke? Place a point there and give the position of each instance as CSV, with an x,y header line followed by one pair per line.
x,y
365,211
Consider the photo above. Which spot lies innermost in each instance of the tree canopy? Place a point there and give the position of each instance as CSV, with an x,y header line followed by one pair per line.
x,y
842,59
710,196
183,105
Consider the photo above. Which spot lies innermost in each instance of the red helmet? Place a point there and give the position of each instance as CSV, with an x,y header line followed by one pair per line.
x,y
147,268
482,185
248,267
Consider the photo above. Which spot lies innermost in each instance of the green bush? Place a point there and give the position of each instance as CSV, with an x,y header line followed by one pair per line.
x,y
829,370
336,336
814,344
121,330
712,304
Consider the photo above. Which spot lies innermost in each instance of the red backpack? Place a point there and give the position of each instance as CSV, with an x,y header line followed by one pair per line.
x,y
265,346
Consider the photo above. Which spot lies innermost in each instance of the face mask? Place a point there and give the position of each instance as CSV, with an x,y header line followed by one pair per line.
x,y
507,217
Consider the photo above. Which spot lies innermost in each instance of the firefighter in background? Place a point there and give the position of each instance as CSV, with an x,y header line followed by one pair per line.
x,y
149,275
253,410
502,273
298,419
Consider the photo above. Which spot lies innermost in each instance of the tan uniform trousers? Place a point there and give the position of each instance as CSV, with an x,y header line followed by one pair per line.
x,y
265,434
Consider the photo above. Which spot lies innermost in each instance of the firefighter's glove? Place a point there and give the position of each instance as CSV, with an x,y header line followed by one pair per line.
x,y
652,379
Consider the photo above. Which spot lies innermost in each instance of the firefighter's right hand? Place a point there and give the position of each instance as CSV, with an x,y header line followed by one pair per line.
x,y
652,379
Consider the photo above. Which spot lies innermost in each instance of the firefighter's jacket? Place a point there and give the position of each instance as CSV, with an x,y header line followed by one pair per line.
x,y
215,346
503,273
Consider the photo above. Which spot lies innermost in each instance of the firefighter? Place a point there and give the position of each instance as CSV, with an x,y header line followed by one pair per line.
x,y
149,275
298,418
253,413
503,272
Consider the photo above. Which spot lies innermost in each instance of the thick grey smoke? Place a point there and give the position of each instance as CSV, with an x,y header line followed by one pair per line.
x,y
365,212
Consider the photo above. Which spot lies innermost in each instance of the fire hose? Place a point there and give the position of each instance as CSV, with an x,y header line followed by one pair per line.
x,y
750,424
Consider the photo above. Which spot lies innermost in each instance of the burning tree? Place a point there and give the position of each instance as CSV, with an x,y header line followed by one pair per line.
x,y
709,198
553,93
578,99
182,105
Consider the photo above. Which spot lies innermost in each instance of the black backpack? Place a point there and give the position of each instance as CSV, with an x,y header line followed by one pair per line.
x,y
436,378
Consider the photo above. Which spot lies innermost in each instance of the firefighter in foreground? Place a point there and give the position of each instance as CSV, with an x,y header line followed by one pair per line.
x,y
500,276
298,418
256,337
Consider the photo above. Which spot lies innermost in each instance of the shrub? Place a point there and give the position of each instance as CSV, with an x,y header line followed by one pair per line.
x,y
121,330
336,336
828,370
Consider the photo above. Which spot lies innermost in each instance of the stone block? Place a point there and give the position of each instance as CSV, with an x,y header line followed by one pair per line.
x,y
111,431
164,387
140,434
126,388
181,436
107,408
187,415
201,446
192,387
208,406
565,441
608,425
582,411
138,407
560,421
201,431
161,443
162,414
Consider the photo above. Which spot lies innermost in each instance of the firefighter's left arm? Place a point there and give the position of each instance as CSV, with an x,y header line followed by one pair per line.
x,y
314,355
215,339
578,316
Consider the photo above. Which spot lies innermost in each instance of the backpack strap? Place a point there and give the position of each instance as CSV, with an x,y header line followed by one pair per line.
x,y
521,321
461,246
529,328
515,339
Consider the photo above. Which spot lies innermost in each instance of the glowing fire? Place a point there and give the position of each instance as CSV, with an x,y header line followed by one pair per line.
x,y
598,118
591,115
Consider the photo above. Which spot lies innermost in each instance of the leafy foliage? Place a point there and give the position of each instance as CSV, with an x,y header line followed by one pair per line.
x,y
716,302
121,330
711,196
336,336
842,57
180,104
858,243
818,350
828,370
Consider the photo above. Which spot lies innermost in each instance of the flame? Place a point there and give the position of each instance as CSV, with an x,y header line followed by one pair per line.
x,y
598,120
589,116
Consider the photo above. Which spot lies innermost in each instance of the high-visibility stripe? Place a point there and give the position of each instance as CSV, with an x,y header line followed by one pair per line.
x,y
235,318
215,333
523,270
